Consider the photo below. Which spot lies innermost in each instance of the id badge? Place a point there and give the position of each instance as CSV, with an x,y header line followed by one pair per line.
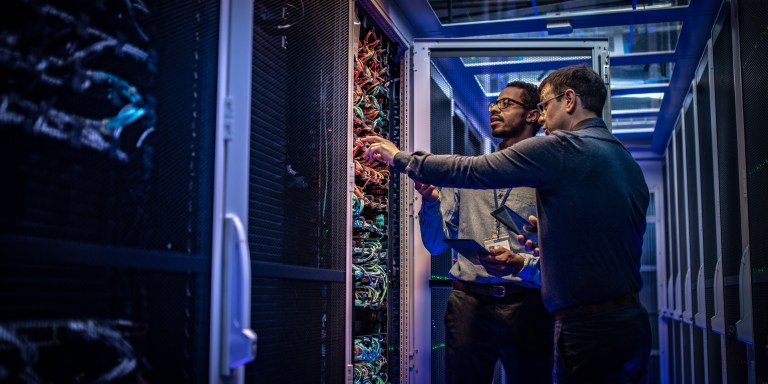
x,y
502,242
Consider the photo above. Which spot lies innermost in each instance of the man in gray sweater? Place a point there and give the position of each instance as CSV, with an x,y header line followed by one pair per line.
x,y
591,200
494,311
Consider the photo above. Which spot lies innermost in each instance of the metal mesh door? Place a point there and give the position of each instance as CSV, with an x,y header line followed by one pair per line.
x,y
107,166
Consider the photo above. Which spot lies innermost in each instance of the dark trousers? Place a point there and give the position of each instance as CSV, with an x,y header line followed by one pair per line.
x,y
482,329
609,347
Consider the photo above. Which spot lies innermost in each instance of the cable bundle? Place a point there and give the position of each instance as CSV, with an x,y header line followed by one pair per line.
x,y
82,351
371,211
370,358
64,78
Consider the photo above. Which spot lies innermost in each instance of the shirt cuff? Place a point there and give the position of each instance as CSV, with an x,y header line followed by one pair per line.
x,y
430,205
400,162
529,270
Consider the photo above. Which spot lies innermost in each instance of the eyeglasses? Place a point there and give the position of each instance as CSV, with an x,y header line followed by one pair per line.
x,y
504,103
543,105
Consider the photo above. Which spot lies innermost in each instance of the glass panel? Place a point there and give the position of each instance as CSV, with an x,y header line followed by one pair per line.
x,y
621,76
637,101
622,39
481,77
633,75
475,61
634,123
469,11
493,83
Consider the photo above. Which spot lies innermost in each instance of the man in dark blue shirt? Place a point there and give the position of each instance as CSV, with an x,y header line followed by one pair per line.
x,y
583,177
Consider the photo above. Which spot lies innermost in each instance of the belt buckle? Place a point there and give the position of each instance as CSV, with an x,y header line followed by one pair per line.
x,y
498,291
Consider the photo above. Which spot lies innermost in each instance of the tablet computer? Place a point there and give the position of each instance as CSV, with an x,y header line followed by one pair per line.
x,y
467,247
515,223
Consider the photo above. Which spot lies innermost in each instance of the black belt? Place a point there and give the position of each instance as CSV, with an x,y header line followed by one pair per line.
x,y
500,291
595,308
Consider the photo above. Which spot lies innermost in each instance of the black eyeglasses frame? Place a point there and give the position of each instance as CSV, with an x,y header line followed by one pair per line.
x,y
505,100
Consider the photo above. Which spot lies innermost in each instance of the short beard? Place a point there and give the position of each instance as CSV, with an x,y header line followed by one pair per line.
x,y
503,134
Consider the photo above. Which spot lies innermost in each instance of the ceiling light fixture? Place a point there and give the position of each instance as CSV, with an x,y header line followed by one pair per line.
x,y
559,27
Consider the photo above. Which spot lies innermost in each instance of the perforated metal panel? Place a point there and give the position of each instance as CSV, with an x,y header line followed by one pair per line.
x,y
441,141
440,123
677,354
667,172
651,205
707,182
301,332
148,183
459,136
648,293
674,267
753,27
734,362
648,256
682,224
727,170
692,186
168,313
298,190
439,297
298,141
106,163
475,144
707,211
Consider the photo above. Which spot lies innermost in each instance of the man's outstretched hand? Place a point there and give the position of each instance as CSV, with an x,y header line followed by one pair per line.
x,y
379,149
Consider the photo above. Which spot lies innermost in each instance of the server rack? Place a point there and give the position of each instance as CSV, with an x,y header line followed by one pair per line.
x,y
750,23
717,143
706,217
324,226
110,222
297,174
376,208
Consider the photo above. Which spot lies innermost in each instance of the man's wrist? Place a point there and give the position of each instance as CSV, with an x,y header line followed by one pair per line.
x,y
400,160
517,263
430,199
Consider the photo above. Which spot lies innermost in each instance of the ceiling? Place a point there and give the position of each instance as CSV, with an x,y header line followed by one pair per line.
x,y
655,47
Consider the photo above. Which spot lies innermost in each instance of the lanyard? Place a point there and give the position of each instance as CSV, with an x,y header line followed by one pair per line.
x,y
496,202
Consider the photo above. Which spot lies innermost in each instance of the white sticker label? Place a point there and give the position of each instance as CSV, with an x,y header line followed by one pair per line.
x,y
502,242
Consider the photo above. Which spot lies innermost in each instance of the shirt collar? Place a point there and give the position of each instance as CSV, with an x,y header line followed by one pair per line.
x,y
592,122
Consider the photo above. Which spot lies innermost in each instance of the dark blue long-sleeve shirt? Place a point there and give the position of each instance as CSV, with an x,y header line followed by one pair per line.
x,y
591,199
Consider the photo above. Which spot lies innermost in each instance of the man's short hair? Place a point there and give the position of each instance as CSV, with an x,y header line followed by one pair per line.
x,y
530,93
530,97
584,81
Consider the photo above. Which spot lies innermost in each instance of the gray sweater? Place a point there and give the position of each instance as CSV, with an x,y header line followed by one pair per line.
x,y
591,200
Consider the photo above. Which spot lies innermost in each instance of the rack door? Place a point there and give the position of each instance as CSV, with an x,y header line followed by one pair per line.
x,y
108,122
